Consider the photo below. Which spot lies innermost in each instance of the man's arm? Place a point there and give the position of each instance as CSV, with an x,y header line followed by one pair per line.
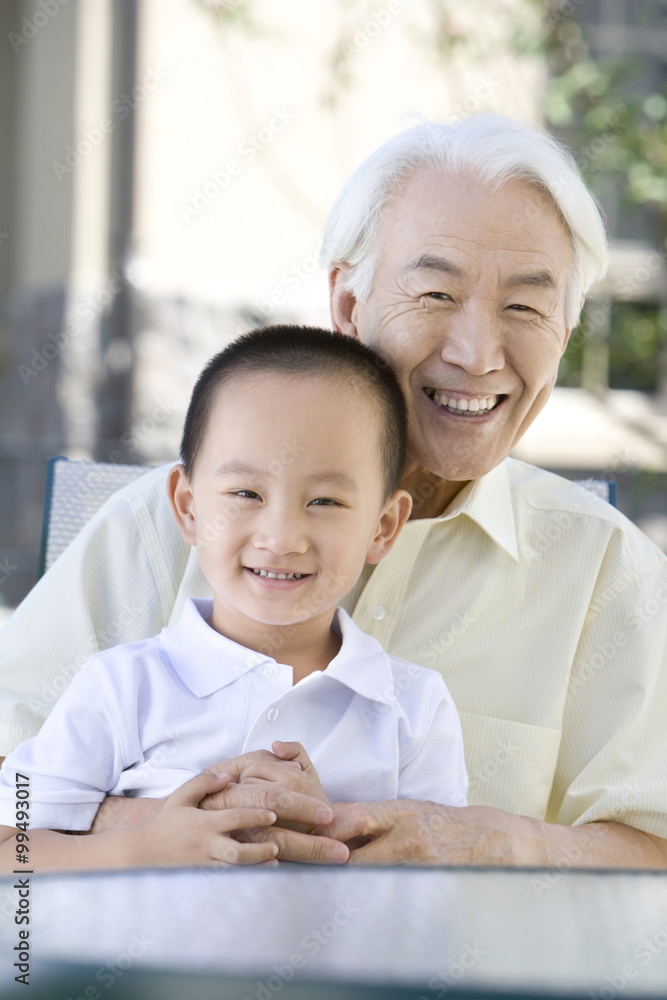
x,y
423,833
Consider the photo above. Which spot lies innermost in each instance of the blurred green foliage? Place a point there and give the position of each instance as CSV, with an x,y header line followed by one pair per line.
x,y
637,347
619,137
613,114
638,339
230,13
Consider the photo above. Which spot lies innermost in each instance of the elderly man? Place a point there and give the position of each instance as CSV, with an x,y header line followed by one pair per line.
x,y
462,255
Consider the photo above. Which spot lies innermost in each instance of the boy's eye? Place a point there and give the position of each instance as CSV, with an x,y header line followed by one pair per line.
x,y
325,502
250,494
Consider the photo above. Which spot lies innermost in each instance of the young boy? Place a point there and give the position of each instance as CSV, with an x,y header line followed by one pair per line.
x,y
292,455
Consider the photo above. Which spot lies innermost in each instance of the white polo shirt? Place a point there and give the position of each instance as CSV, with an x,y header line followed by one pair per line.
x,y
143,718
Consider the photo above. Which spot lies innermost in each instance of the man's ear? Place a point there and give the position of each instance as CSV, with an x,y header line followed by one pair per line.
x,y
394,514
566,340
568,332
342,301
182,503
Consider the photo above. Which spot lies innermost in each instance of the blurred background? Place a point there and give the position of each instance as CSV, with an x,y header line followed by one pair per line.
x,y
166,167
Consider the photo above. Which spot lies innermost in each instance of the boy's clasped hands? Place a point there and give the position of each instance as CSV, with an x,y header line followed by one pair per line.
x,y
224,814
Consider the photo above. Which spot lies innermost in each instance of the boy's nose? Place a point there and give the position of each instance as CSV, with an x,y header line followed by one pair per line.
x,y
281,534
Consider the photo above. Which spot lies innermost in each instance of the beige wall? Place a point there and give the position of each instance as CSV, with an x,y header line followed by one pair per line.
x,y
225,87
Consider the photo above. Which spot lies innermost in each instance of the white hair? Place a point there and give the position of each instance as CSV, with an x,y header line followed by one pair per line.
x,y
496,149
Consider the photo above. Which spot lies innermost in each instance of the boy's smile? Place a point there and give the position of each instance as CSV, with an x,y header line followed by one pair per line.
x,y
277,577
285,505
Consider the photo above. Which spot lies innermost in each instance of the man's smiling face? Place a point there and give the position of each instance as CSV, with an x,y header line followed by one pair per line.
x,y
468,306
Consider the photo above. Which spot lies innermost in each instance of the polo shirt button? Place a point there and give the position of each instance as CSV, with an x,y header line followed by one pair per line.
x,y
378,612
270,670
272,714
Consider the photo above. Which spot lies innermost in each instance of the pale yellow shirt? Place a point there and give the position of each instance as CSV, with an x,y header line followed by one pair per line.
x,y
544,609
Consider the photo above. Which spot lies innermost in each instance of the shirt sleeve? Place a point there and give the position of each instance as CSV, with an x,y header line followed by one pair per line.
x,y
115,583
612,765
433,768
72,762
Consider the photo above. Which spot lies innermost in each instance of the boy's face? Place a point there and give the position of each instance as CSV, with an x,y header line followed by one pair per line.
x,y
288,482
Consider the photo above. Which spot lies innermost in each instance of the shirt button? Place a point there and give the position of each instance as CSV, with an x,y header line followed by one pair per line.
x,y
272,714
378,612
270,670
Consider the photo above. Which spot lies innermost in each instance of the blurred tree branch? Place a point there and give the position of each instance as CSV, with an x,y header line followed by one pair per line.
x,y
618,131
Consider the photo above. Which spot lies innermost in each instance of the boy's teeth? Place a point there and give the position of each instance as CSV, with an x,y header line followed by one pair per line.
x,y
462,405
278,576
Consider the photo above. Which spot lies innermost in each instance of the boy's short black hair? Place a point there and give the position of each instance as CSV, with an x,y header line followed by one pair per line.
x,y
303,350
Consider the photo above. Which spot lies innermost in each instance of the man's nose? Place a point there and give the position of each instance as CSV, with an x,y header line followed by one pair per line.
x,y
280,531
473,340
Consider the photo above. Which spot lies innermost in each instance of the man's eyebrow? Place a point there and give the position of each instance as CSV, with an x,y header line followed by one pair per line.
x,y
432,262
540,279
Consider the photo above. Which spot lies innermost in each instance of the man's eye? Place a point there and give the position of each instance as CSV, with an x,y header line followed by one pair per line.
x,y
521,308
438,295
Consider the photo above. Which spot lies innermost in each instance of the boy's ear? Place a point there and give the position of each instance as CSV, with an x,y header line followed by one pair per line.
x,y
182,503
394,514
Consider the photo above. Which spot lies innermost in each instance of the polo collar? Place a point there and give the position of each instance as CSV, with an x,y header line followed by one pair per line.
x,y
207,661
488,502
361,663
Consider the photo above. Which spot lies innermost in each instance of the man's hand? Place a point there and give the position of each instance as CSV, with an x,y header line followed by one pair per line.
x,y
288,768
306,780
404,832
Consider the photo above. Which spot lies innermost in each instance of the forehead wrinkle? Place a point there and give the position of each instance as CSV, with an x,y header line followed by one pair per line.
x,y
456,234
527,267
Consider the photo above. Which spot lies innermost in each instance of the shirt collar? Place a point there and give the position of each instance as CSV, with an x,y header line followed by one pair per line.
x,y
204,659
207,661
361,663
488,502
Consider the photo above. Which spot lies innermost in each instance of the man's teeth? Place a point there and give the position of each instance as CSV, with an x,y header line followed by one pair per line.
x,y
279,576
479,404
